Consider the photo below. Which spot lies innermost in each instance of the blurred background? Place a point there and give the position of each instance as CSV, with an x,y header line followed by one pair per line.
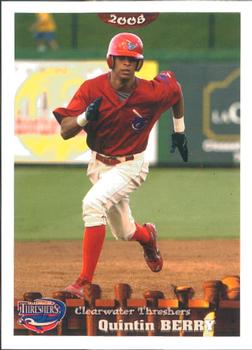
x,y
203,49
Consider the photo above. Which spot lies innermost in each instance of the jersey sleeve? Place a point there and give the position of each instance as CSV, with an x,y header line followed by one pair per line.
x,y
76,106
168,88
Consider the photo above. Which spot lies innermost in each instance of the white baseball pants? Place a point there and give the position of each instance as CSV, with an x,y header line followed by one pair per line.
x,y
107,202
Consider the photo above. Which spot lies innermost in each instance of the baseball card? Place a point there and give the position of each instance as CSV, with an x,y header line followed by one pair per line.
x,y
123,218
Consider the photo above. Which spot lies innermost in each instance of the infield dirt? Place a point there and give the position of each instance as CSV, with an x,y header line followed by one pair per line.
x,y
50,266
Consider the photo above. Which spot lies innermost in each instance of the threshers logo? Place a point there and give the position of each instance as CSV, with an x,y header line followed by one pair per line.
x,y
139,122
131,46
41,315
165,75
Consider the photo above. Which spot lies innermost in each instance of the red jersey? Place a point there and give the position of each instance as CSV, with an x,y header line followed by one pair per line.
x,y
123,127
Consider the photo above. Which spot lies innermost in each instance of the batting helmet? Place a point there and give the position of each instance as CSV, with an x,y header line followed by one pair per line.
x,y
125,44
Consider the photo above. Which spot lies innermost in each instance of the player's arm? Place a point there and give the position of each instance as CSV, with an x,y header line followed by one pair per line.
x,y
173,92
178,115
179,139
71,126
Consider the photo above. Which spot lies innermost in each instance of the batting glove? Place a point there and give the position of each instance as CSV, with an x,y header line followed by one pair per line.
x,y
92,111
179,140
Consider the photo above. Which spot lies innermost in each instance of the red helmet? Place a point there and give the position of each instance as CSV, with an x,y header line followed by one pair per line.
x,y
125,44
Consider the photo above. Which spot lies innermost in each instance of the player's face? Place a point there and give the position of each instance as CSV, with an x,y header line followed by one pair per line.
x,y
125,67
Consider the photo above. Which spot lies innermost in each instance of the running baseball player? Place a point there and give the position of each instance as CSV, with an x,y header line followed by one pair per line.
x,y
117,110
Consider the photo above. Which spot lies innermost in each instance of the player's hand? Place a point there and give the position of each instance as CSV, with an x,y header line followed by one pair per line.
x,y
92,111
179,141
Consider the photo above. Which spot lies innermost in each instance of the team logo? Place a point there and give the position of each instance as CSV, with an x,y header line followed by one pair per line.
x,y
131,46
138,123
164,75
41,315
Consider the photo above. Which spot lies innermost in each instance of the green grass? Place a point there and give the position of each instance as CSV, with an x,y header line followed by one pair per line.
x,y
183,203
181,34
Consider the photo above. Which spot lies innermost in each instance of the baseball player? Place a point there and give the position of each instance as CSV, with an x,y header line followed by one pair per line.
x,y
117,110
44,32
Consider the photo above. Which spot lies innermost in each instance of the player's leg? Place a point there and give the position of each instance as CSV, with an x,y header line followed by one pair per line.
x,y
119,215
111,185
121,221
93,238
40,41
50,37
123,226
103,194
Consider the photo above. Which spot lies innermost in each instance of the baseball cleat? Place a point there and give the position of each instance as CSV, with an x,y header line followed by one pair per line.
x,y
80,288
152,255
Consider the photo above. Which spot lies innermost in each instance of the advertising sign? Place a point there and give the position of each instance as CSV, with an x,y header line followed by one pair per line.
x,y
221,115
212,114
43,86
